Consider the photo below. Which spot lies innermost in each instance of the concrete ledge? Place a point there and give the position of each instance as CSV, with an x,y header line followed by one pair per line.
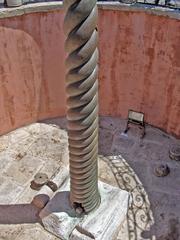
x,y
30,8
151,9
57,5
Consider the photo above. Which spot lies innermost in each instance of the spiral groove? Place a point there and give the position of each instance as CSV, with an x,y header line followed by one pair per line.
x,y
82,100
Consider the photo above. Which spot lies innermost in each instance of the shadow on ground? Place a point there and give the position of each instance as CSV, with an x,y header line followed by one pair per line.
x,y
18,214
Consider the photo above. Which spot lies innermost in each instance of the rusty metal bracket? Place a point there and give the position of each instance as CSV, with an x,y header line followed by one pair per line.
x,y
136,118
41,179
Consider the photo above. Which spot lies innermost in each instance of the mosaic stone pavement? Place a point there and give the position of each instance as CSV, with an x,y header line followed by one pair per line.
x,y
139,217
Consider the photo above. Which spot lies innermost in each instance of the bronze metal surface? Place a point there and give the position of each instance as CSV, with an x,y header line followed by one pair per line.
x,y
80,27
40,179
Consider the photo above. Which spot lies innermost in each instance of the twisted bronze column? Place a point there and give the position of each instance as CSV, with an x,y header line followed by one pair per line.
x,y
80,26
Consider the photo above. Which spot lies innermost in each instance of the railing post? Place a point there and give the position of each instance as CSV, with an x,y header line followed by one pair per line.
x,y
80,26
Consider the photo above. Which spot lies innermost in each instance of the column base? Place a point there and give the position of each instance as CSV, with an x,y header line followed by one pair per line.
x,y
60,219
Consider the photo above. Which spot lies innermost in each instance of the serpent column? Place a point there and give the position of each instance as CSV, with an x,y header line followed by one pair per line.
x,y
80,27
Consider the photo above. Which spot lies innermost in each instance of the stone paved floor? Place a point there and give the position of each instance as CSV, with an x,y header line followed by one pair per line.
x,y
23,153
143,155
41,147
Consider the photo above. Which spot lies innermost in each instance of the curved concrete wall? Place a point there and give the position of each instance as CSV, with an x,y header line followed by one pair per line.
x,y
139,67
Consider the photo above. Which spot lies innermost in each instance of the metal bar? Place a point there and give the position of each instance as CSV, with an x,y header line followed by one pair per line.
x,y
80,27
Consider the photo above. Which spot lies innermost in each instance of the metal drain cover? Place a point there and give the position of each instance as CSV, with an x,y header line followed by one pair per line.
x,y
162,170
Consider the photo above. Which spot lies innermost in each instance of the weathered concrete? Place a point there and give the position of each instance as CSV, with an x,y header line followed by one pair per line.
x,y
38,89
59,218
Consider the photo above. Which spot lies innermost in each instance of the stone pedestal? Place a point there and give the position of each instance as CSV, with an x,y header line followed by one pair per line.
x,y
103,224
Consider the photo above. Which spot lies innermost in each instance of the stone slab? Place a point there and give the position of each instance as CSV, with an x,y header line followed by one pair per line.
x,y
59,218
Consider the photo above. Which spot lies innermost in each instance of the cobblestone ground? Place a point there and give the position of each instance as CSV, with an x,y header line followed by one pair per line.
x,y
43,148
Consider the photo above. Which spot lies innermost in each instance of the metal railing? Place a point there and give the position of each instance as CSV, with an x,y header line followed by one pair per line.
x,y
174,4
162,3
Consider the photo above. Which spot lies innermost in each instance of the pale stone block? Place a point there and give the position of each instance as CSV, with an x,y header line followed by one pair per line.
x,y
6,158
33,129
9,232
4,143
59,218
9,190
35,232
77,235
17,136
23,170
106,221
